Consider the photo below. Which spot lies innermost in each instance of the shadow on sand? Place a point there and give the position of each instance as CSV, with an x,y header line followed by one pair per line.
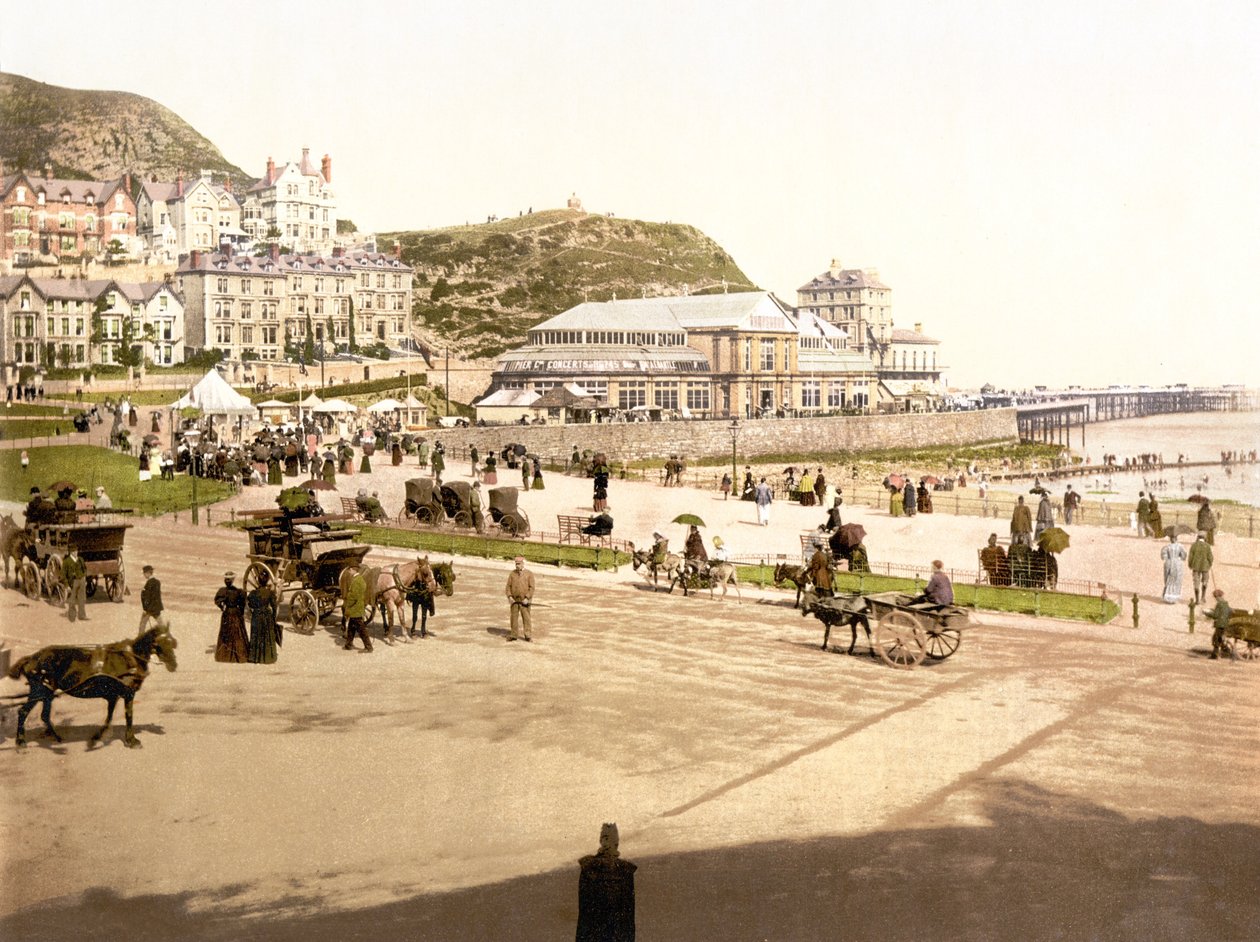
x,y
1046,866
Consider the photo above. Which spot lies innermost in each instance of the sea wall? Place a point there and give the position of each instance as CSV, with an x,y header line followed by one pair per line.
x,y
758,437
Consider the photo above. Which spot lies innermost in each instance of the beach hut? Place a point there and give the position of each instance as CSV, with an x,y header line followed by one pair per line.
x,y
275,411
506,405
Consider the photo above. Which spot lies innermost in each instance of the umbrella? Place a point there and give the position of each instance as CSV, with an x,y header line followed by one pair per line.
x,y
60,486
1178,529
689,520
895,480
1054,540
931,479
1197,498
319,484
152,439
851,534
519,449
1037,490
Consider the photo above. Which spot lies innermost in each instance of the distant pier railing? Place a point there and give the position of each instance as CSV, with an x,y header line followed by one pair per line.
x,y
1051,419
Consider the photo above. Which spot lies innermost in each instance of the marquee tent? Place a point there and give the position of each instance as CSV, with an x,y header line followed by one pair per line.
x,y
213,396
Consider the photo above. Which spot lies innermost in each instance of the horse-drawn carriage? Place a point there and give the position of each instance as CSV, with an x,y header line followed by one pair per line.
x,y
906,631
423,504
97,536
503,511
1242,637
310,565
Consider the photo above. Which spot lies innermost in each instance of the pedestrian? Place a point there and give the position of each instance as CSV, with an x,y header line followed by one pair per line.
x,y
527,472
264,631
74,574
763,498
26,461
1206,521
1173,555
438,465
1143,514
422,452
725,486
474,456
819,572
1071,500
1045,515
1021,524
353,606
151,601
520,594
328,473
538,478
1220,620
491,474
1155,519
896,507
606,893
820,488
807,489
395,454
909,499
939,590
232,646
1200,566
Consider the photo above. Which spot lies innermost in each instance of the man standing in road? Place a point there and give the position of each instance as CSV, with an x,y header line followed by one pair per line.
x,y
1200,566
1021,523
354,605
75,575
763,497
1071,500
520,593
151,601
1220,621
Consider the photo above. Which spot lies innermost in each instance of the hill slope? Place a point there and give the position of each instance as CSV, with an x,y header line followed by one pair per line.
x,y
98,135
480,288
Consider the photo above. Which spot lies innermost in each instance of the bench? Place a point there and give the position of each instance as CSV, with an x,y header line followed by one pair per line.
x,y
351,510
571,531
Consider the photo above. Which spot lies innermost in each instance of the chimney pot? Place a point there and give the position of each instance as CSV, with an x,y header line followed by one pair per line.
x,y
918,328
326,168
194,259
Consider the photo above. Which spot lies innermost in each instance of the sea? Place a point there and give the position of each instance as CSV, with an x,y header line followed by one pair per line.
x,y
1199,436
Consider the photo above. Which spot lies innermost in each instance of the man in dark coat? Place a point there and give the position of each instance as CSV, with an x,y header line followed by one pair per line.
x,y
909,499
151,601
606,893
1206,522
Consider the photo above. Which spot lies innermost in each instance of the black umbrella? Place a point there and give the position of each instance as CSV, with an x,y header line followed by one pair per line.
x,y
851,534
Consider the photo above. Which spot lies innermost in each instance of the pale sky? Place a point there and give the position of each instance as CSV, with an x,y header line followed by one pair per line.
x,y
1061,193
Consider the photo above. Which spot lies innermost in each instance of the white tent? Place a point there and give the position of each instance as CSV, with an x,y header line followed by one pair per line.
x,y
336,405
311,401
385,405
213,396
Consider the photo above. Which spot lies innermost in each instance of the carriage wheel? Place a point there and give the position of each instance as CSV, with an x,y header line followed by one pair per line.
x,y
29,579
424,515
942,642
900,640
251,581
90,588
304,611
369,612
116,584
520,524
464,518
58,591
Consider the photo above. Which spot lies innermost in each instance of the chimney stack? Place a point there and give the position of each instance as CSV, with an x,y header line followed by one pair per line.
x,y
127,182
339,251
227,249
194,259
835,268
918,328
227,183
271,173
274,252
179,186
47,169
397,249
325,167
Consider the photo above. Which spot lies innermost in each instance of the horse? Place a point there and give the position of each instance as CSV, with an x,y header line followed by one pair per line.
x,y
795,575
15,544
671,566
831,615
106,671
718,573
417,582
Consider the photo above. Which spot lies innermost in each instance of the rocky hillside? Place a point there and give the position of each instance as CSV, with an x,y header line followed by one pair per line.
x,y
480,288
98,135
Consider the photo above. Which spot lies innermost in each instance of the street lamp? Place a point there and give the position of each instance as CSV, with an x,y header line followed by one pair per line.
x,y
192,436
321,365
733,428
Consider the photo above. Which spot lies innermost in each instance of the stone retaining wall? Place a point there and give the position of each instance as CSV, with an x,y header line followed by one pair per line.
x,y
699,439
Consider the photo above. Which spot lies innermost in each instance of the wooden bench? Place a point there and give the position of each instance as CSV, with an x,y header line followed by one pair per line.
x,y
351,509
571,531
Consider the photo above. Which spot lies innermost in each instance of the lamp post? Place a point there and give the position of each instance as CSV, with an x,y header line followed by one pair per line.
x,y
193,436
733,428
321,365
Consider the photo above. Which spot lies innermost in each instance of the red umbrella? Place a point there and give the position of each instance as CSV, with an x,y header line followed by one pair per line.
x,y
895,480
931,479
60,486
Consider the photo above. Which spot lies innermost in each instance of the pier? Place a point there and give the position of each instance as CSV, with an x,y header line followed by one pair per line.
x,y
1050,419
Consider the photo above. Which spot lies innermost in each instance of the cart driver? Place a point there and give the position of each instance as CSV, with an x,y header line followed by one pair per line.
x,y
694,554
38,508
939,590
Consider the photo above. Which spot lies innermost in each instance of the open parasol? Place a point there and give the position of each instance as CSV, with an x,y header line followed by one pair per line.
x,y
1178,529
850,534
1054,540
152,439
1197,498
690,520
895,481
60,486
319,484
930,479
1037,489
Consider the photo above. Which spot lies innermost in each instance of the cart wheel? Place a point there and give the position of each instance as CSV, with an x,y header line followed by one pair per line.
x,y
424,516
942,642
464,519
251,581
29,579
369,612
900,640
304,611
58,591
90,588
116,585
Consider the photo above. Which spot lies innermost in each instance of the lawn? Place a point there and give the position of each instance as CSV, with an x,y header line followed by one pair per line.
x,y
35,428
87,466
465,543
15,409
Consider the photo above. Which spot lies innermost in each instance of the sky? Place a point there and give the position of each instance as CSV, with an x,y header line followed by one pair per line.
x,y
1060,193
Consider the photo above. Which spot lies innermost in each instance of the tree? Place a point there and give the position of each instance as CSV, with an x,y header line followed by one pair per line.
x,y
330,333
98,325
114,251
354,346
345,225
308,344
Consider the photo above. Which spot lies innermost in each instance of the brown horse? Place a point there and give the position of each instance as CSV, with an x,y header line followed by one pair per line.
x,y
106,671
795,575
15,544
418,582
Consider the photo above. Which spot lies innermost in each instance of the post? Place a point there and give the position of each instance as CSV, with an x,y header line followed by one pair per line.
x,y
193,470
1191,617
1135,610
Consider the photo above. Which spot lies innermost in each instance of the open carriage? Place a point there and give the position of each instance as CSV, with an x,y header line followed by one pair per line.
x,y
905,631
97,536
307,565
503,511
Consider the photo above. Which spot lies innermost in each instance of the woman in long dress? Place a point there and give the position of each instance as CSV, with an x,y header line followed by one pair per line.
x,y
895,506
1174,554
233,645
491,474
1156,519
264,639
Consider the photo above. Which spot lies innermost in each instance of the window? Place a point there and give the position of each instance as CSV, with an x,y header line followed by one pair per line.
x,y
747,355
21,194
698,397
78,327
51,325
247,286
247,334
269,335
665,395
767,355
247,310
810,394
221,285
835,396
65,327
631,393
21,216
223,334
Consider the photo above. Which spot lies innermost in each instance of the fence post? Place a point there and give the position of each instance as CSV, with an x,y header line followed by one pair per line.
x,y
1135,610
1191,618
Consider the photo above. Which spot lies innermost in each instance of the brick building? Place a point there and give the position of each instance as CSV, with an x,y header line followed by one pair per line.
x,y
47,220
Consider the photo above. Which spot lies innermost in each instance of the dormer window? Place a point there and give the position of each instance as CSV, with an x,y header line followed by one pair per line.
x,y
21,194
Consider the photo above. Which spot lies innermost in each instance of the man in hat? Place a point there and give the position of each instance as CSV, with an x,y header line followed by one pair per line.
x,y
1200,566
1206,521
606,892
1220,621
1021,523
939,589
474,507
993,559
103,501
763,497
74,573
520,594
354,605
1143,514
151,601
1071,501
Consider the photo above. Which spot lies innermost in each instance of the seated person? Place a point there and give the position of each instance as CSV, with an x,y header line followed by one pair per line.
x,y
939,590
833,521
719,550
64,505
599,525
694,552
369,506
858,560
660,549
993,559
39,509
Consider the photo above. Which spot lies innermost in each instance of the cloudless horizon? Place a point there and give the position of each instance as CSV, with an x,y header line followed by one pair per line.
x,y
1061,195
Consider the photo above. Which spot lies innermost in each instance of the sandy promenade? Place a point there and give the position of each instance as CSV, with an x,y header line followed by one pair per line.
x,y
1049,781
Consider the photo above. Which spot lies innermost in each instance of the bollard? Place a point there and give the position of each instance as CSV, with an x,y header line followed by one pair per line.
x,y
1135,610
1191,618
